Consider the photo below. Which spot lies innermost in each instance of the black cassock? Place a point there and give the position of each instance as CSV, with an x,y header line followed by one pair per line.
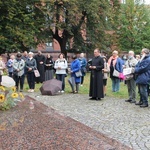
x,y
40,67
96,78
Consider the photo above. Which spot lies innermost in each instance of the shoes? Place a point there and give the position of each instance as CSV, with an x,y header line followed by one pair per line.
x,y
31,90
95,98
144,105
62,91
92,98
75,92
21,90
133,101
139,103
98,99
129,100
81,85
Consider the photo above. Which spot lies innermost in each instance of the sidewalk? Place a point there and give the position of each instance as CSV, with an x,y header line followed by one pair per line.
x,y
125,122
43,128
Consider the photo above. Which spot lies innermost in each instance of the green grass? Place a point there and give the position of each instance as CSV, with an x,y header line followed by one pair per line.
x,y
85,88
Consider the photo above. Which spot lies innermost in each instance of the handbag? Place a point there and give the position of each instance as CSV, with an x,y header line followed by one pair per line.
x,y
129,77
1,72
36,73
116,73
78,73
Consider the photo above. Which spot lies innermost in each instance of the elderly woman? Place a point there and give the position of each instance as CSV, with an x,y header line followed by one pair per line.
x,y
2,67
115,63
30,66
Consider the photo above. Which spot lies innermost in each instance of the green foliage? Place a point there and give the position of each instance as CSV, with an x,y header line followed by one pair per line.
x,y
21,22
26,23
134,26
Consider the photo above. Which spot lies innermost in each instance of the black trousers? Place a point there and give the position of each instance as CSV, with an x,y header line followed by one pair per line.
x,y
31,80
0,78
19,79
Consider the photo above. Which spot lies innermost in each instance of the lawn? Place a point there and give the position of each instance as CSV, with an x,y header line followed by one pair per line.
x,y
85,88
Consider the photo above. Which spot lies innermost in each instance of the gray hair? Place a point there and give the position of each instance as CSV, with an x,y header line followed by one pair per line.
x,y
145,50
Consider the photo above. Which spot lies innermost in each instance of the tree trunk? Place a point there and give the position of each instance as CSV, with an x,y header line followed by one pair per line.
x,y
62,41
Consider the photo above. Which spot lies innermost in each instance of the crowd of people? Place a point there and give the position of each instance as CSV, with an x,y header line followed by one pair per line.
x,y
100,67
21,66
133,70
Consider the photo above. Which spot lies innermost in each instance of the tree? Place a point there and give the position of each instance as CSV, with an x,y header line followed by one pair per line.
x,y
20,23
26,23
134,27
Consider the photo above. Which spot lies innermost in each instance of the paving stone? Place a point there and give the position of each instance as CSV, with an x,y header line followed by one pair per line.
x,y
124,122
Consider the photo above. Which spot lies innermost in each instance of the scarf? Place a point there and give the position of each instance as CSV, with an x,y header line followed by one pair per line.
x,y
114,60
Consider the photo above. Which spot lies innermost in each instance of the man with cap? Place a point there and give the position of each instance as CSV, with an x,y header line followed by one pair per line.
x,y
18,71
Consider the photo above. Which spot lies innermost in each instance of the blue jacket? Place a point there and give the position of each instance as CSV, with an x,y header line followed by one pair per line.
x,y
10,65
83,63
119,65
142,70
75,67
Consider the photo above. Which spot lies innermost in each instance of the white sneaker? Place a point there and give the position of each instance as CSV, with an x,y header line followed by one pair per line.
x,y
62,91
81,85
31,90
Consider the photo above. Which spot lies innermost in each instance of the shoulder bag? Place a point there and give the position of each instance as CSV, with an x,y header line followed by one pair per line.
x,y
116,73
78,73
36,73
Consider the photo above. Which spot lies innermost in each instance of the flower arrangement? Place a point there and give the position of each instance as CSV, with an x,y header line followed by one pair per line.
x,y
9,97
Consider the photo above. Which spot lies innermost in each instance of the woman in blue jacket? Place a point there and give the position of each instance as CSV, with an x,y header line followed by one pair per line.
x,y
75,67
115,62
83,67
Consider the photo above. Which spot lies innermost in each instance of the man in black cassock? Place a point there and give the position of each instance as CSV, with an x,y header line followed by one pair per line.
x,y
40,60
96,79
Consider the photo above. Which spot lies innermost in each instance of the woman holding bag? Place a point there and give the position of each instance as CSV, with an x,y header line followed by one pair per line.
x,y
75,70
30,66
115,63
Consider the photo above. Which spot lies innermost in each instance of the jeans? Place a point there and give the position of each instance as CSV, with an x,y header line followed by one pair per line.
x,y
19,79
143,93
61,77
31,80
115,84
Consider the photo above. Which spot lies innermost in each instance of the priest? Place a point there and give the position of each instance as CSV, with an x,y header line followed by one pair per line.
x,y
40,61
96,78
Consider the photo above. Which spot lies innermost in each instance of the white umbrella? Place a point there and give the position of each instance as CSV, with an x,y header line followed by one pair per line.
x,y
7,81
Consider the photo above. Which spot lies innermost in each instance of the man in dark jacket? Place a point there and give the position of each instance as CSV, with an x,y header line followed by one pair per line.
x,y
96,79
142,70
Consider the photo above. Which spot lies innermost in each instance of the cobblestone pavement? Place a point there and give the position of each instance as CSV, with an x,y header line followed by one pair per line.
x,y
122,121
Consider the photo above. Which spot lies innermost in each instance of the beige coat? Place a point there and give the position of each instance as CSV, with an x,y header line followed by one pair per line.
x,y
2,67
